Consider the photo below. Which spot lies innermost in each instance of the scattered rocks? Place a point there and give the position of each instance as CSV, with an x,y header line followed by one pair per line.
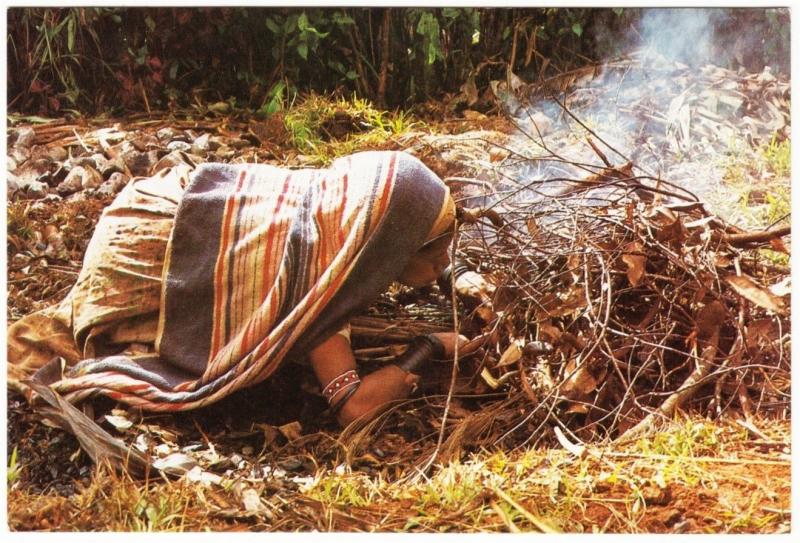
x,y
143,141
71,184
102,164
91,178
178,145
240,143
165,134
99,162
80,177
224,153
23,136
115,183
42,165
57,176
57,153
82,161
109,167
118,180
31,177
36,190
203,144
140,163
19,154
174,158
12,185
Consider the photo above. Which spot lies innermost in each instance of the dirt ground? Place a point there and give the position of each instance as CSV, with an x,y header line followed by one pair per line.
x,y
283,467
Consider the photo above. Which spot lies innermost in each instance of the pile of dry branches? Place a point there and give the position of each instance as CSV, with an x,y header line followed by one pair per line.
x,y
650,302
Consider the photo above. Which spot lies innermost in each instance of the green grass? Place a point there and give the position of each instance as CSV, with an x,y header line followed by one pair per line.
x,y
551,488
777,156
756,189
609,489
18,223
306,122
14,468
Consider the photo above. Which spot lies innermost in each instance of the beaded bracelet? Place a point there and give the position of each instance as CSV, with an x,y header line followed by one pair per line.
x,y
335,408
340,383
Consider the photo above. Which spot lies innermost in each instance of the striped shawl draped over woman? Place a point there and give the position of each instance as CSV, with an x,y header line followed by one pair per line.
x,y
227,271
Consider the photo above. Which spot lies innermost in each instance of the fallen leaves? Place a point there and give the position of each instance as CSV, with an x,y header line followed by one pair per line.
x,y
634,259
749,289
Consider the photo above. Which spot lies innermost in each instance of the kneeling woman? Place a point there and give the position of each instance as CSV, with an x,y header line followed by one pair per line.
x,y
197,284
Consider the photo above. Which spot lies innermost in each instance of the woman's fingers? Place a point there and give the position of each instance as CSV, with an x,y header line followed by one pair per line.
x,y
465,345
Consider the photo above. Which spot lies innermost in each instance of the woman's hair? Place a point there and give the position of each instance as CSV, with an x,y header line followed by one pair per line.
x,y
437,244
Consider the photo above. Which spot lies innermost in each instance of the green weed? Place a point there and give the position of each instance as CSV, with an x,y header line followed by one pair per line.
x,y
323,128
18,223
14,469
778,156
344,490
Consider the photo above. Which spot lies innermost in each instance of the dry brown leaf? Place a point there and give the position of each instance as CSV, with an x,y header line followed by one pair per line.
x,y
549,332
722,261
491,381
709,318
98,444
556,306
291,431
635,261
750,290
761,332
533,228
777,244
580,381
512,353
119,422
672,232
577,408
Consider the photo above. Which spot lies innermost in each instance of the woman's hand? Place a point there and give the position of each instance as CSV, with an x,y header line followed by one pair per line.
x,y
474,286
449,339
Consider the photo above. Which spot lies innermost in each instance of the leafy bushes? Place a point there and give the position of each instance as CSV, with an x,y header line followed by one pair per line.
x,y
100,59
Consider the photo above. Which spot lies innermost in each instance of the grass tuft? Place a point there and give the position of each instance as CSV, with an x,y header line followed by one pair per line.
x,y
324,128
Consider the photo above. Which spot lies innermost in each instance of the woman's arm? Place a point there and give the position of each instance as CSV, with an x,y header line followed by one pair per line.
x,y
334,357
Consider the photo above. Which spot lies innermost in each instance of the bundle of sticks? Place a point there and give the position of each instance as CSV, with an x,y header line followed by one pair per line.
x,y
650,303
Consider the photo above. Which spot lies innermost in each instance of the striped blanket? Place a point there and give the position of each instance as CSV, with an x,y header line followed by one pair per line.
x,y
263,264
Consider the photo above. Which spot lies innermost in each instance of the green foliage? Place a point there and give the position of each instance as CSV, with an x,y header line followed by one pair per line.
x,y
313,131
122,58
428,28
18,224
275,98
685,439
13,468
156,514
778,156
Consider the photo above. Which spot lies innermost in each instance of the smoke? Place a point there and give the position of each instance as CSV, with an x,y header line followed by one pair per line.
x,y
674,106
686,35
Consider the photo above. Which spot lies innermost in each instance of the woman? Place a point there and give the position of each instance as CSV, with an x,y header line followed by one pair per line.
x,y
245,267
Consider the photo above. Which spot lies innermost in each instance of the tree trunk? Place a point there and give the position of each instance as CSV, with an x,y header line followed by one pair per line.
x,y
384,58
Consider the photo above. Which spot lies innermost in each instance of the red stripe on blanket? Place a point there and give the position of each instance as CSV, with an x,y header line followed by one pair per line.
x,y
227,239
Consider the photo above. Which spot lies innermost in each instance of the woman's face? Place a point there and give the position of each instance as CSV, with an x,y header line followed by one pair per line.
x,y
424,268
